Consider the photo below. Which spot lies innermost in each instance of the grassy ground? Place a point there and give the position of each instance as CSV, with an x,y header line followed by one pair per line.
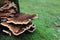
x,y
49,15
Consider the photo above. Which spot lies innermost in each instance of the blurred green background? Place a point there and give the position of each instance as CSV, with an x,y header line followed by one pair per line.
x,y
49,15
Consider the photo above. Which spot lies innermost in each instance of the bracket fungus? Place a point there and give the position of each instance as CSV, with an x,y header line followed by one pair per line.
x,y
17,23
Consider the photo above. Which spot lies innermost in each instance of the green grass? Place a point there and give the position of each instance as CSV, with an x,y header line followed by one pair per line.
x,y
49,13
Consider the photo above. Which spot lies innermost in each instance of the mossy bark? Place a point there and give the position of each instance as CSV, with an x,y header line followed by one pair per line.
x,y
1,2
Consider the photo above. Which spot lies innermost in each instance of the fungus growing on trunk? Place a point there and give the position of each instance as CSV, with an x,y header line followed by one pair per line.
x,y
17,23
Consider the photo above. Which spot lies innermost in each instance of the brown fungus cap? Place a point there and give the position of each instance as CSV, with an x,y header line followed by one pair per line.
x,y
21,18
9,8
7,32
17,29
32,29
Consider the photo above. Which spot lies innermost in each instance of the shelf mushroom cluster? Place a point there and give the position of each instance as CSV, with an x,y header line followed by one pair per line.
x,y
17,23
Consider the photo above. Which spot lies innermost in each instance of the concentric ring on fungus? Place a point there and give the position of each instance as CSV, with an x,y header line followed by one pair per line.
x,y
17,29
22,18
